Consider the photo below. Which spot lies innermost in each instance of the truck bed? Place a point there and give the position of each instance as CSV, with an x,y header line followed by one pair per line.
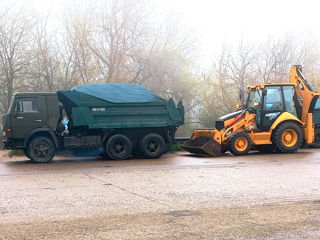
x,y
94,111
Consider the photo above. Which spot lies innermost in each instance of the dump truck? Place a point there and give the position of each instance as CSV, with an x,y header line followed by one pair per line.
x,y
123,119
277,117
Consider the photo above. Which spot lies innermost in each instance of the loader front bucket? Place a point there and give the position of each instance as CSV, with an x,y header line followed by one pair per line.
x,y
203,145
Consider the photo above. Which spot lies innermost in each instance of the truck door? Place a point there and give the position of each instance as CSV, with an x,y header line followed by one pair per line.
x,y
25,116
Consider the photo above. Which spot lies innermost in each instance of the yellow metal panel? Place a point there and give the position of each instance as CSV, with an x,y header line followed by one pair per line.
x,y
284,117
217,137
260,138
309,130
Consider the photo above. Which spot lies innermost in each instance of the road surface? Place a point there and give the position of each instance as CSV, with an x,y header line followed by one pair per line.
x,y
179,196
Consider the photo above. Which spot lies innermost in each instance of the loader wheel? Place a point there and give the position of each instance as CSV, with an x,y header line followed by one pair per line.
x,y
265,148
152,145
287,137
239,143
119,147
41,150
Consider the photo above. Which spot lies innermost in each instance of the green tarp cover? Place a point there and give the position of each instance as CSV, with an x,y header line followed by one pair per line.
x,y
119,92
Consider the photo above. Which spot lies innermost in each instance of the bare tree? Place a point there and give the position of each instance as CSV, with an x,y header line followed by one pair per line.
x,y
15,52
240,66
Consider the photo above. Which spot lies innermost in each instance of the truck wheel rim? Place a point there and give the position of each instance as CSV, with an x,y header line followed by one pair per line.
x,y
289,138
153,146
41,149
118,147
241,144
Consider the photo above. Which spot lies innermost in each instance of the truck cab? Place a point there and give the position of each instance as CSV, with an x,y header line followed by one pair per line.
x,y
29,113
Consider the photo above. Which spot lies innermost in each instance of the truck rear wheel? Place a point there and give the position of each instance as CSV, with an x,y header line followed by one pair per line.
x,y
41,150
287,137
119,147
239,143
152,145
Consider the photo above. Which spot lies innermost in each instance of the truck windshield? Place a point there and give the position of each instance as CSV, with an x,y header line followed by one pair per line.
x,y
254,96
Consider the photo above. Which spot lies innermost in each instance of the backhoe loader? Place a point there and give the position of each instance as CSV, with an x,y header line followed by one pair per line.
x,y
277,117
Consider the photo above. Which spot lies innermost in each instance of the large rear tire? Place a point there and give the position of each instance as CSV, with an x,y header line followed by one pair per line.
x,y
119,147
239,143
287,137
41,150
152,145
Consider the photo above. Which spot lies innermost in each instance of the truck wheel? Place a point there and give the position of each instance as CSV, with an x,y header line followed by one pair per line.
x,y
25,150
41,150
239,143
152,145
119,147
287,137
265,148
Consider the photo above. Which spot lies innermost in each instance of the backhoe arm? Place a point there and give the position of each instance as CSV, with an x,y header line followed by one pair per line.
x,y
307,98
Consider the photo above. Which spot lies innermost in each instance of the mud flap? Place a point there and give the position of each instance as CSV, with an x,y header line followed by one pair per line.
x,y
203,145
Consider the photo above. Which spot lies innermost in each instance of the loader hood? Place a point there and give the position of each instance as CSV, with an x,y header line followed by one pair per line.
x,y
220,122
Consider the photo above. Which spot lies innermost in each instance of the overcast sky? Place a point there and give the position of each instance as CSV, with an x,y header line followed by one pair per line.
x,y
216,22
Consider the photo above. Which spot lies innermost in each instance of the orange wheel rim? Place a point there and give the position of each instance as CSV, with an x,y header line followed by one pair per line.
x,y
241,144
289,137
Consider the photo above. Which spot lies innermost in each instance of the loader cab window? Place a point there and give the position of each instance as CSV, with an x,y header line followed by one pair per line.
x,y
289,99
253,96
273,99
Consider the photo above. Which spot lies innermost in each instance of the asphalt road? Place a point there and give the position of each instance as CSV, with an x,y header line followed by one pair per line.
x,y
179,196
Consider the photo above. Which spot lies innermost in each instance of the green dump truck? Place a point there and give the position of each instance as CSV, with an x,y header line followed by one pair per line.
x,y
123,119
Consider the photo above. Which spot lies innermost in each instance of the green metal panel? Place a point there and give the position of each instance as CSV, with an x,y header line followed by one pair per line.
x,y
316,113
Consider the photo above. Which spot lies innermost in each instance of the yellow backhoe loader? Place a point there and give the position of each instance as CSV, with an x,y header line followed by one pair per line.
x,y
277,117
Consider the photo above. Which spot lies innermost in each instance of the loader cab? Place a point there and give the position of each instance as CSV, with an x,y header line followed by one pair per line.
x,y
272,100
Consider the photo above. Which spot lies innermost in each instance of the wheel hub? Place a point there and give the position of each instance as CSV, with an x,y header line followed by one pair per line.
x,y
289,137
152,146
41,150
241,143
118,147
